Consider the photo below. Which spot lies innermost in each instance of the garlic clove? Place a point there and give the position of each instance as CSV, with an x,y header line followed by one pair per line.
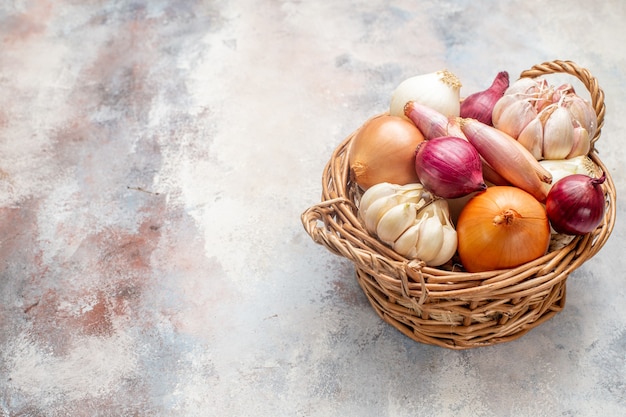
x,y
430,236
395,221
450,241
562,91
501,105
532,138
515,117
558,134
544,96
448,248
408,187
383,189
406,244
377,210
582,111
523,86
582,144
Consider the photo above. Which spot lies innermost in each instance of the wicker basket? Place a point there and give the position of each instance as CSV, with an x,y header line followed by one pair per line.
x,y
455,309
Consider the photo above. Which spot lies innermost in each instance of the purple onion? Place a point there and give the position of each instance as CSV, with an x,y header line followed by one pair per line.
x,y
480,105
449,167
575,204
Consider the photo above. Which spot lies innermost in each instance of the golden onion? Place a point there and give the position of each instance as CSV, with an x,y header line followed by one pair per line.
x,y
502,227
383,150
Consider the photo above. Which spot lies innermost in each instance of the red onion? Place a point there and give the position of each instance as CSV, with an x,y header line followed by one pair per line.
x,y
575,204
480,105
449,167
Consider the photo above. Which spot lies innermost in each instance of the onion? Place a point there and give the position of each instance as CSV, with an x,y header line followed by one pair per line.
x,y
575,204
449,167
480,105
384,151
502,227
433,124
438,90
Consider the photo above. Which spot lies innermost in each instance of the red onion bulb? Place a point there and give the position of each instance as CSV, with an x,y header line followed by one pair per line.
x,y
449,167
575,204
480,105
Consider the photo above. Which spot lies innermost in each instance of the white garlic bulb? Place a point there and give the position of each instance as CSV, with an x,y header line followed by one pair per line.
x,y
410,220
552,123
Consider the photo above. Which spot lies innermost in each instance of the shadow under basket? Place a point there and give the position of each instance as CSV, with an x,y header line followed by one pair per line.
x,y
442,306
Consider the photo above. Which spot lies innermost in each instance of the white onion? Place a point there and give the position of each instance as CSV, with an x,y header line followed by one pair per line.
x,y
439,90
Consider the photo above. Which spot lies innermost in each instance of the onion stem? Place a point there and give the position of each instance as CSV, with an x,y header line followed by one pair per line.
x,y
507,217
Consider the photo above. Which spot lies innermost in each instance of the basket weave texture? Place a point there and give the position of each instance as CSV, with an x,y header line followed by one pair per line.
x,y
448,308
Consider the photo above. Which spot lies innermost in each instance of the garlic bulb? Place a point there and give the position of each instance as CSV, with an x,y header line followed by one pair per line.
x,y
560,168
552,123
439,90
410,220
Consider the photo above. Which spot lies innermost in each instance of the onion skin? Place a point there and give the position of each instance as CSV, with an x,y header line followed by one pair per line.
x,y
480,105
575,204
500,228
383,150
449,167
430,122
507,157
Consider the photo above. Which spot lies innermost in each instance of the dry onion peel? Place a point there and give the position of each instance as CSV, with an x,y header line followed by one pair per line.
x,y
508,157
480,105
449,167
384,151
576,203
502,227
433,125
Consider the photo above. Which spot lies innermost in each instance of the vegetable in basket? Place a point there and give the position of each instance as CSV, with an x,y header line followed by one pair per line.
x,y
552,123
560,168
411,220
433,125
449,167
502,227
507,157
438,90
575,204
384,151
480,105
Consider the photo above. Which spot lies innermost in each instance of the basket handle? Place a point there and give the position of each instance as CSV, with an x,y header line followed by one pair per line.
x,y
332,223
330,234
588,80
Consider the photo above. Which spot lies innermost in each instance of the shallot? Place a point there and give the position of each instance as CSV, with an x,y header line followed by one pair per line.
x,y
449,167
480,105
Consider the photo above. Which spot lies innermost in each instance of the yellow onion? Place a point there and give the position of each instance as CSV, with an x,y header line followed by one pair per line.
x,y
502,227
383,150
